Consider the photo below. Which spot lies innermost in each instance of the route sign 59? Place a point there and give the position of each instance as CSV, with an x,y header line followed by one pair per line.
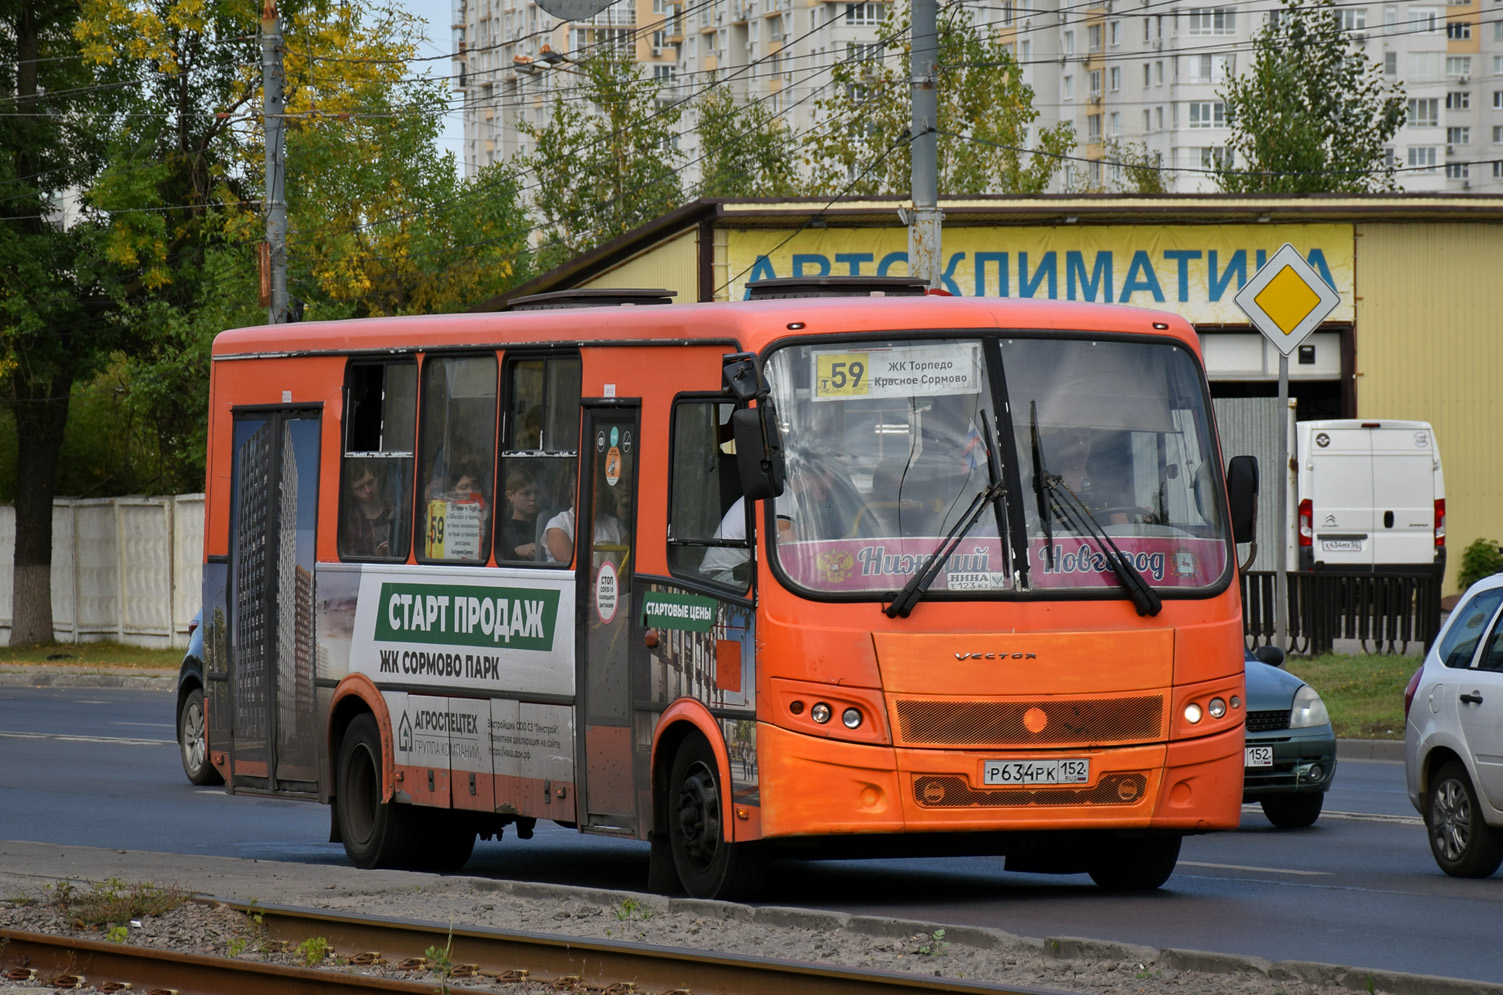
x,y
923,370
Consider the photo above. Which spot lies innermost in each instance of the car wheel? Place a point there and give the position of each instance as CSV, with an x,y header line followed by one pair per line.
x,y
375,833
1464,846
1127,863
193,740
707,866
1293,811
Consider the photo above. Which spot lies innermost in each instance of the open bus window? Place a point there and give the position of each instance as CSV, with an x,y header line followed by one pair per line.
x,y
707,517
375,499
539,454
457,457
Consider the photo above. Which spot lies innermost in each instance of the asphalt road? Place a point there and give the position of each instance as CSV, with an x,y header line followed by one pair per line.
x,y
98,767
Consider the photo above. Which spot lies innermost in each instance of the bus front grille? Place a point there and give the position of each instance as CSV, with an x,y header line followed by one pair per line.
x,y
953,791
1053,722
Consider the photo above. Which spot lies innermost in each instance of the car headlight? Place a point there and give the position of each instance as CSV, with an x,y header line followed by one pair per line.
x,y
1308,709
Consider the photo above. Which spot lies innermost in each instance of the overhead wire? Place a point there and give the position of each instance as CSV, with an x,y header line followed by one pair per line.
x,y
745,72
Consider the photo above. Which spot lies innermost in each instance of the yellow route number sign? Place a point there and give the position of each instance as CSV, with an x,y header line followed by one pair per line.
x,y
940,367
842,374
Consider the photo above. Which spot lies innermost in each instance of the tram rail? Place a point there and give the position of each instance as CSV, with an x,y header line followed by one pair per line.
x,y
474,960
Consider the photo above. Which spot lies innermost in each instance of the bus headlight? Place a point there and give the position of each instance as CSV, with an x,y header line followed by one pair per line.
x,y
851,717
820,712
1192,713
1217,708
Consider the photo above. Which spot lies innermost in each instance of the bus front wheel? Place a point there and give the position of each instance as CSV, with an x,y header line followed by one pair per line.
x,y
375,833
1133,863
707,865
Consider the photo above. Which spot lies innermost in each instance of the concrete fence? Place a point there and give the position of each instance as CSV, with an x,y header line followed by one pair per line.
x,y
127,569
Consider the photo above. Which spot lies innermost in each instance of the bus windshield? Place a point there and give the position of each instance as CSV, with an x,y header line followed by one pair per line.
x,y
1095,446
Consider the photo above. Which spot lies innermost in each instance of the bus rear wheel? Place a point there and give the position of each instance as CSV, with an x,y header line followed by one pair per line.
x,y
449,839
707,865
375,833
1133,863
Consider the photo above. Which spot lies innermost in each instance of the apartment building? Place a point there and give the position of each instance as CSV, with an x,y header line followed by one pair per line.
x,y
1123,72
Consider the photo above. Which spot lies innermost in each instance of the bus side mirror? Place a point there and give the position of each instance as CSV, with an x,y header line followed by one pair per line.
x,y
740,376
1242,494
759,442
759,451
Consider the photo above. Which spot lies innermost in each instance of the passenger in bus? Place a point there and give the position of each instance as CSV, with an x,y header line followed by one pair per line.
x,y
611,529
725,563
467,482
367,525
1089,463
817,503
465,511
519,527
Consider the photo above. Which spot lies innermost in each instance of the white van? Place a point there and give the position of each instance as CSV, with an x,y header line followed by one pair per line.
x,y
1371,496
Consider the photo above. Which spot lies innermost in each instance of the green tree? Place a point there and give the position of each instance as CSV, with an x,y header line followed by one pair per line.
x,y
985,113
379,221
56,315
1140,168
745,149
142,117
608,158
1314,114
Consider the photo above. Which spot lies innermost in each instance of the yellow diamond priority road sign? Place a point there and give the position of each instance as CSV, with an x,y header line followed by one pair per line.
x,y
1286,299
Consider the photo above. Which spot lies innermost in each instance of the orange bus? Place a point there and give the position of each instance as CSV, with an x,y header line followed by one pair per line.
x,y
856,574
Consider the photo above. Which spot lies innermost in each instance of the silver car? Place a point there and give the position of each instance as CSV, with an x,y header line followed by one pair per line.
x,y
1453,736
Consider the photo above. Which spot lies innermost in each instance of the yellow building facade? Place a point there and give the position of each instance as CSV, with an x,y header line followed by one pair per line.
x,y
1418,332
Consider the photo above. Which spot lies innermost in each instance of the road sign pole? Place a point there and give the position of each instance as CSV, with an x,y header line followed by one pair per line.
x,y
1286,300
1281,482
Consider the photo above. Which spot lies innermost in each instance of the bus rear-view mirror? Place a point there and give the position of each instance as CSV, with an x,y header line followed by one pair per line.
x,y
759,451
1242,494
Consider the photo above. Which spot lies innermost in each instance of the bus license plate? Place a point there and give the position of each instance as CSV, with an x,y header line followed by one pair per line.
x,y
1259,756
1036,771
1341,545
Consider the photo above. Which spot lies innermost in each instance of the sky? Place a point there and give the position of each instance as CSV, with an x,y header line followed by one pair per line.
x,y
440,42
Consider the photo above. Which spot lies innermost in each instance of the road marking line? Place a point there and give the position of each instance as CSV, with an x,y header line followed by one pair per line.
x,y
1259,870
88,739
1402,820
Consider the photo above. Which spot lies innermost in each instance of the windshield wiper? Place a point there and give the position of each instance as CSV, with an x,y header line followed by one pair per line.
x,y
1039,476
918,584
1075,513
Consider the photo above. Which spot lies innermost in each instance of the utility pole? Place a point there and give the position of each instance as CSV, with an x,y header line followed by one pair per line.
x,y
274,258
925,219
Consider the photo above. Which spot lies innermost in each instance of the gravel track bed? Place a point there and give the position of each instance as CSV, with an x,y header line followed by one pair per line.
x,y
1059,964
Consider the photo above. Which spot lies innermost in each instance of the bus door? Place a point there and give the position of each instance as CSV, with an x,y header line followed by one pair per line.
x,y
274,502
604,565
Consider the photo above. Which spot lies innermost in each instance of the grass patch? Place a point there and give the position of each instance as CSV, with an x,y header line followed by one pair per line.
x,y
113,903
114,655
1363,692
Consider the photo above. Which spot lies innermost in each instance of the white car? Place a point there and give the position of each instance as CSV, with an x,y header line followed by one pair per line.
x,y
1453,736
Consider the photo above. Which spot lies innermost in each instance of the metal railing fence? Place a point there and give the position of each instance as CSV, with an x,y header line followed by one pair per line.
x,y
1383,613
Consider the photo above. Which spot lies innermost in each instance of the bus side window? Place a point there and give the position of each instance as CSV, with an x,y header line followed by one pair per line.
x,y
458,457
707,517
539,454
375,497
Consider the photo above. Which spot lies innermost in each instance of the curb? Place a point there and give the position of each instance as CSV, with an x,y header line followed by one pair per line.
x,y
149,680
1062,948
1370,749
